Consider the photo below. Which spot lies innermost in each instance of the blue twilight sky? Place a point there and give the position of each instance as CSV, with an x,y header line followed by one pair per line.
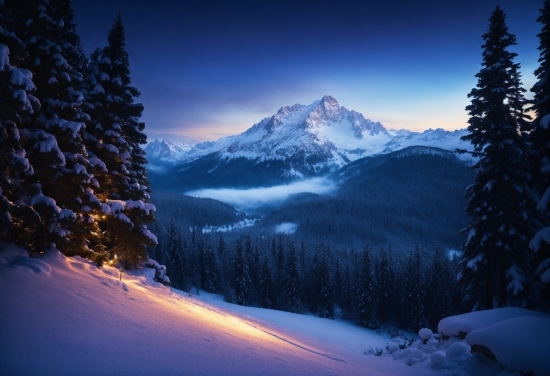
x,y
208,69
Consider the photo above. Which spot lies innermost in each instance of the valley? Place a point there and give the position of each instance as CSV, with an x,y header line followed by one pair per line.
x,y
328,172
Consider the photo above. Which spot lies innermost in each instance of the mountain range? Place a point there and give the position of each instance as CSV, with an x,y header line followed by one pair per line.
x,y
298,141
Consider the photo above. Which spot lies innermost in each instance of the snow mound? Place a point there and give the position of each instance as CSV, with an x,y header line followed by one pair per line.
x,y
17,258
460,325
425,334
521,343
503,341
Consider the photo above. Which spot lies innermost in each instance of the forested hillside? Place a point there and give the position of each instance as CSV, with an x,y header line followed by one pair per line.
x,y
399,199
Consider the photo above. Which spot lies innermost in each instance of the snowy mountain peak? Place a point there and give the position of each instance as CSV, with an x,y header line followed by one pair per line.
x,y
166,150
313,139
316,137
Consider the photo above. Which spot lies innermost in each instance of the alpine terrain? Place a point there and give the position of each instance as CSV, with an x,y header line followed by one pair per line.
x,y
298,141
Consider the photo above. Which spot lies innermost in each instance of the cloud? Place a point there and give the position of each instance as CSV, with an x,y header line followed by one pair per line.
x,y
253,198
286,228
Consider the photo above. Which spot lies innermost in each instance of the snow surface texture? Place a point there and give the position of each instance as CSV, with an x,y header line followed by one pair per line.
x,y
324,129
64,316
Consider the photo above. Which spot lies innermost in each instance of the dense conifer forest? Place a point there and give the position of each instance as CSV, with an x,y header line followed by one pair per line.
x,y
73,173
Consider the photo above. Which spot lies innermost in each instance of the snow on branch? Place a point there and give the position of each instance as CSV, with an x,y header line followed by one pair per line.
x,y
517,279
543,203
473,262
541,236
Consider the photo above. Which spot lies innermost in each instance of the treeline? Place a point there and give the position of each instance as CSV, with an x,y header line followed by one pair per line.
x,y
373,287
72,169
191,212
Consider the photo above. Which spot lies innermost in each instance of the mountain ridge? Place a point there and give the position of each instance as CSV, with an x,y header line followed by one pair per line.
x,y
298,141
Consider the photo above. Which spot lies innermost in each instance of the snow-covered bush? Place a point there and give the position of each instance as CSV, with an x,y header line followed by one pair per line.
x,y
425,334
160,272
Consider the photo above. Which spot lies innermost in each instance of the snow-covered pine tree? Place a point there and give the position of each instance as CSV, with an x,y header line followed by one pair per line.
x,y
209,268
116,137
177,263
72,50
62,179
267,293
366,310
16,105
495,269
439,288
385,284
241,276
291,292
323,287
540,162
414,293
347,296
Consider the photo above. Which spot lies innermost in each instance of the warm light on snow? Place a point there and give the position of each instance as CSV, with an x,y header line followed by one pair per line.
x,y
63,315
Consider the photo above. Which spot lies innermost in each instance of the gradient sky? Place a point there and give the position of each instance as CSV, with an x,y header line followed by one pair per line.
x,y
208,69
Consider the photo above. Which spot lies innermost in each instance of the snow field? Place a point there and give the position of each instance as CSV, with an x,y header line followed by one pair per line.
x,y
65,316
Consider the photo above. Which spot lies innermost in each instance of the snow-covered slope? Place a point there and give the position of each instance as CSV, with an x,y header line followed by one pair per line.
x,y
448,140
64,316
166,150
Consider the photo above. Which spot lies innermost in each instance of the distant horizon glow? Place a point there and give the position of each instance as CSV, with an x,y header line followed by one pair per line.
x,y
212,69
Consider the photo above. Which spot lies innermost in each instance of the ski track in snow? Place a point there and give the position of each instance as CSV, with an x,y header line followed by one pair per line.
x,y
261,326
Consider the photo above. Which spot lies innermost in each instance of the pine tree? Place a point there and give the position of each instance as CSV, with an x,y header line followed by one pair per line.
x,y
267,291
241,276
414,292
384,285
366,297
177,263
323,291
115,137
16,106
221,248
495,262
291,292
540,162
346,302
62,179
439,289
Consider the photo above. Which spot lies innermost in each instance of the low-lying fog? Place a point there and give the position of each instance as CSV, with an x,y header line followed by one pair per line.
x,y
251,199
